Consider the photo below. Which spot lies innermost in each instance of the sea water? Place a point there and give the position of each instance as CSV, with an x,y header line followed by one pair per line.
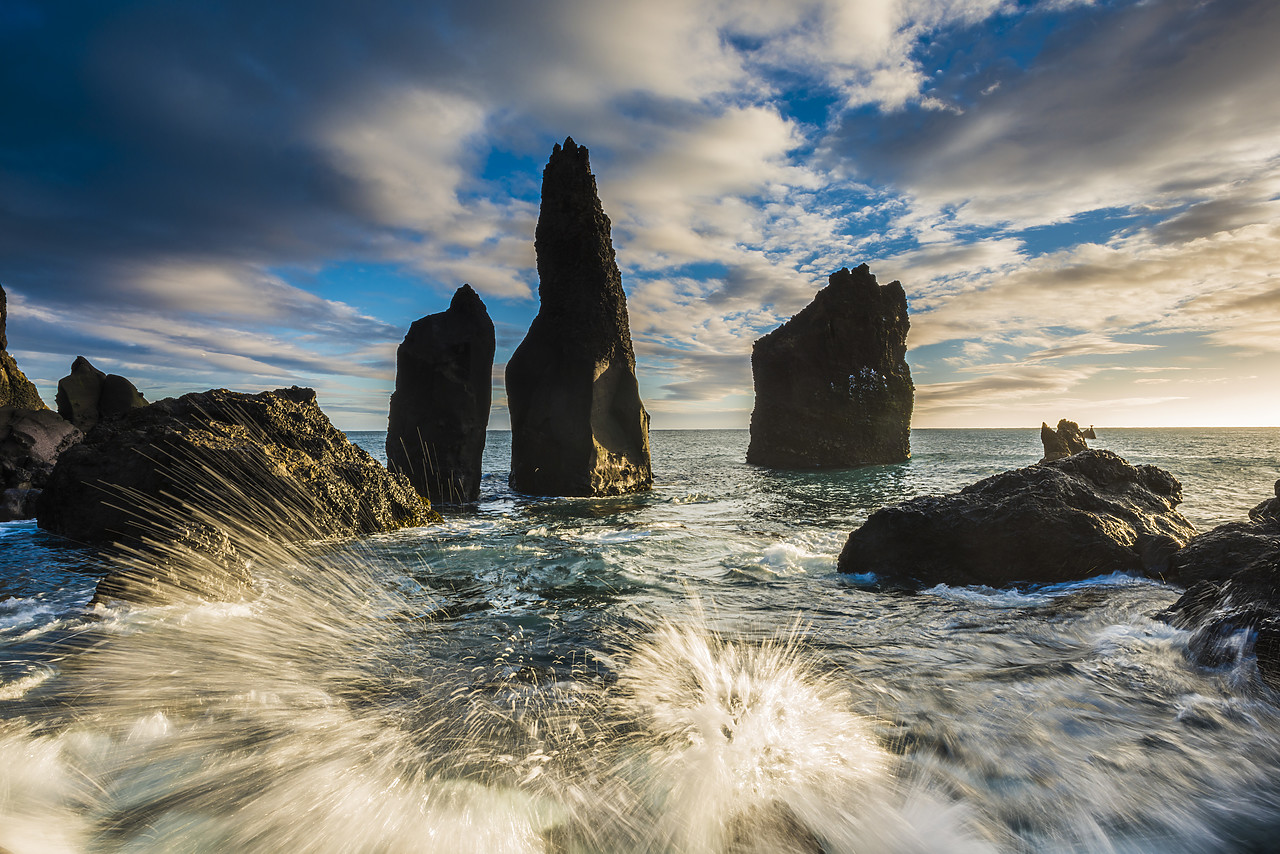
x,y
680,671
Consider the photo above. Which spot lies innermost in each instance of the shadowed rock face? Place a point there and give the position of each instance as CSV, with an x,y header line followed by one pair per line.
x,y
269,463
15,389
832,384
1232,574
87,395
577,424
31,440
440,407
1084,515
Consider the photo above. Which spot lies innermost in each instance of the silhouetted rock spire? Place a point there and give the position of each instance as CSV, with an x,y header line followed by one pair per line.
x,y
577,424
832,384
440,408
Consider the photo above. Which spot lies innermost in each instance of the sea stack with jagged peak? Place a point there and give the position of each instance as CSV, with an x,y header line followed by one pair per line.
x,y
1064,441
440,407
832,384
15,389
578,426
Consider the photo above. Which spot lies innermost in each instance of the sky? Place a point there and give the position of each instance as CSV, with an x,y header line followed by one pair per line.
x,y
1079,198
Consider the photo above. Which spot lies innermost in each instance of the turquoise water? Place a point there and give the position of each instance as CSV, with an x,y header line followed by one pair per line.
x,y
679,671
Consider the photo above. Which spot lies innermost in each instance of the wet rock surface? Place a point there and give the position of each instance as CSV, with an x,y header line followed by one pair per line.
x,y
1085,515
578,426
832,384
31,440
218,466
1232,602
440,406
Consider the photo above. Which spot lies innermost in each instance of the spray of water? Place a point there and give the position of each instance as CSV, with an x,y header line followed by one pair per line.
x,y
312,712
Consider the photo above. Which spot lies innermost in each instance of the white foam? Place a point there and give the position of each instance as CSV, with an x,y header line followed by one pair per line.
x,y
989,596
19,687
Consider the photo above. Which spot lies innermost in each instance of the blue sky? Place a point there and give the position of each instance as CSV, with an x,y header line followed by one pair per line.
x,y
1079,198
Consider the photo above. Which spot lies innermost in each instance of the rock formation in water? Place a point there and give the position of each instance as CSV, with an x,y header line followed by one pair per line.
x,y
1088,433
1232,574
31,440
87,395
1063,442
1081,516
832,384
15,389
577,424
222,468
440,407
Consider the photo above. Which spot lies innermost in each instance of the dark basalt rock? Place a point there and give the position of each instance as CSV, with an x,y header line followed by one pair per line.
x,y
87,395
18,504
832,384
577,424
215,465
15,389
31,440
440,407
1063,442
1084,515
1232,603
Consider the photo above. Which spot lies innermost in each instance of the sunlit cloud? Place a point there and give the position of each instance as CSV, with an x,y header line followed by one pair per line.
x,y
202,204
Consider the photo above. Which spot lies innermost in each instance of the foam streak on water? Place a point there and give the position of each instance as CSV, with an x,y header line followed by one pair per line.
x,y
677,672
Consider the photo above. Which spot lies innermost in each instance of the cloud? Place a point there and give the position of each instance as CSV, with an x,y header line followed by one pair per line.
x,y
1086,344
177,180
1129,105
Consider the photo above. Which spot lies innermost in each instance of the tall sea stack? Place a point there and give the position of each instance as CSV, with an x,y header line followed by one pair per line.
x,y
15,389
832,384
577,424
440,408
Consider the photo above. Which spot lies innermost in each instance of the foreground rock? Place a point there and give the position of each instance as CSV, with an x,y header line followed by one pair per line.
x,y
1232,603
1063,442
15,389
31,440
832,384
440,407
577,424
225,469
87,395
1085,515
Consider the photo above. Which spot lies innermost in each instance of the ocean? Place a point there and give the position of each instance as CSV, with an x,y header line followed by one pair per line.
x,y
679,671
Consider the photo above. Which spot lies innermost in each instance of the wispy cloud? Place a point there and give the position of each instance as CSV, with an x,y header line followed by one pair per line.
x,y
180,184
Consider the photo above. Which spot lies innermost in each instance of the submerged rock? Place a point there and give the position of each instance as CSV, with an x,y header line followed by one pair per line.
x,y
221,464
1063,442
440,407
1232,602
31,440
15,389
87,395
578,426
1085,515
832,384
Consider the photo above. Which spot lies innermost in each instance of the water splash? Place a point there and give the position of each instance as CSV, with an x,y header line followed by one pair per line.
x,y
750,748
315,717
